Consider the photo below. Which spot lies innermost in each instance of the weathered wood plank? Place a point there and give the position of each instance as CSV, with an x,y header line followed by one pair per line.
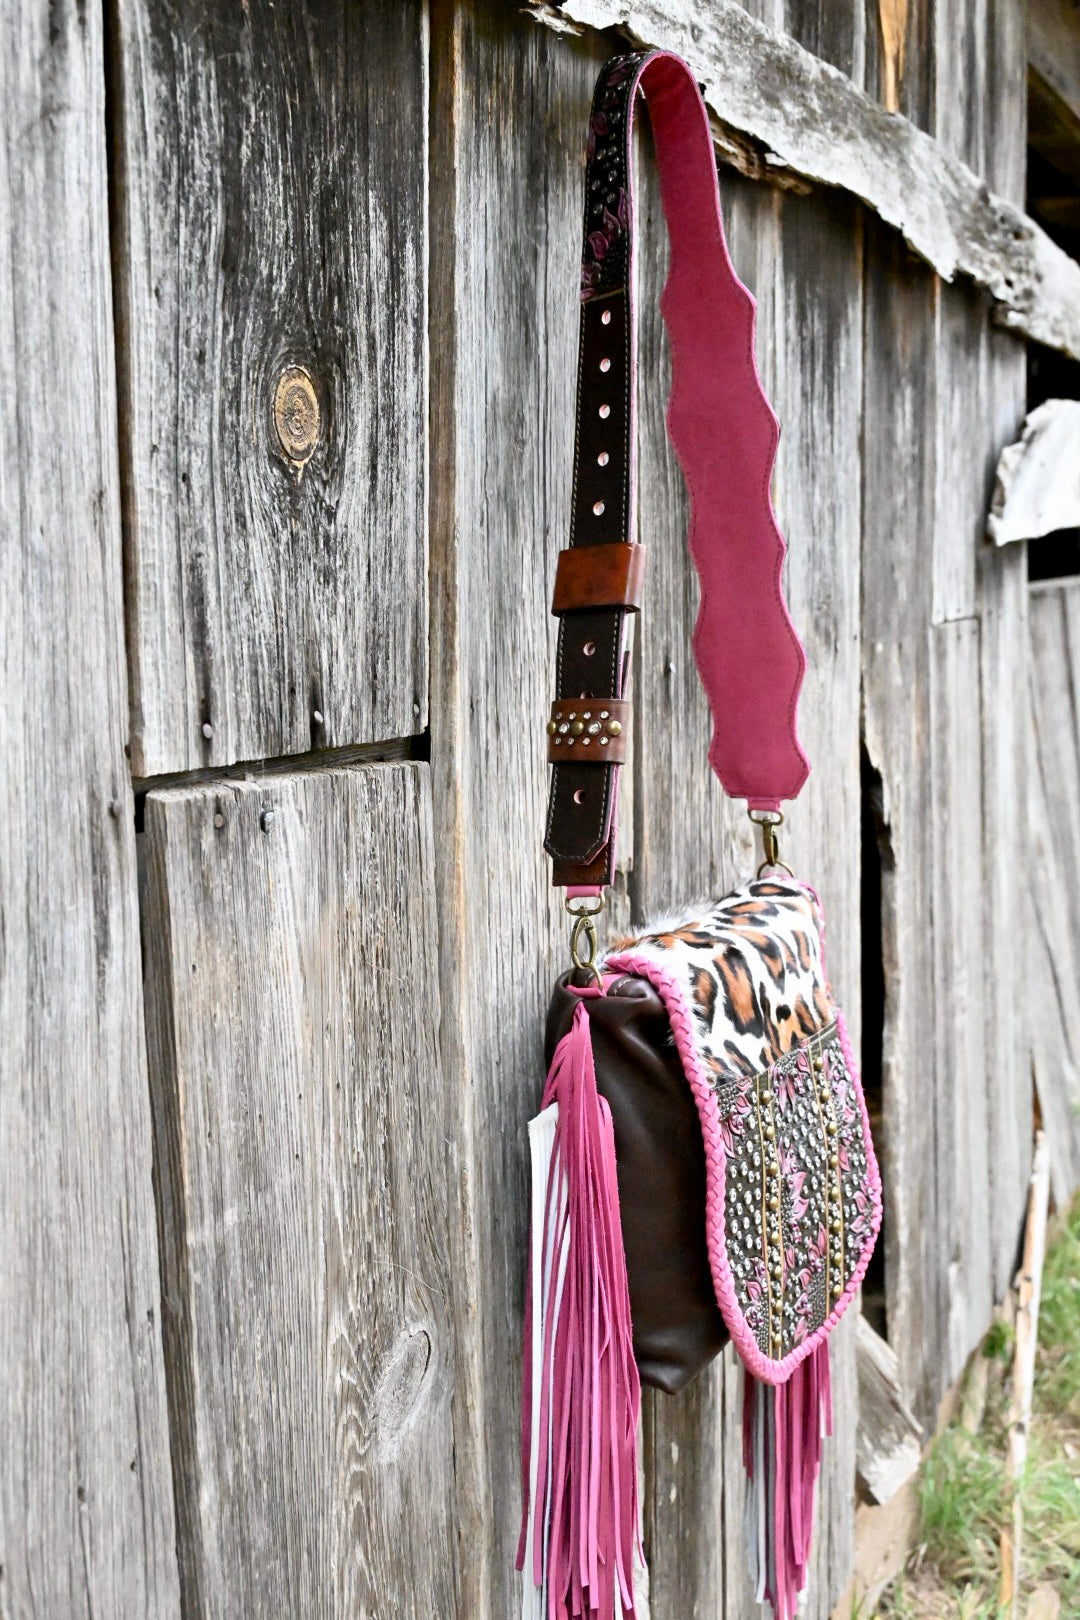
x,y
293,1012
1003,616
1053,972
899,67
86,1514
889,1437
962,1274
272,307
1006,835
688,840
955,373
785,112
817,334
511,102
898,515
998,402
804,262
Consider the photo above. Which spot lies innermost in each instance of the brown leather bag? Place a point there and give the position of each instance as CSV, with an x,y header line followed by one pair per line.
x,y
678,1328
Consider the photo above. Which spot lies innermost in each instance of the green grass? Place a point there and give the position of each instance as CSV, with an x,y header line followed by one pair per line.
x,y
964,1494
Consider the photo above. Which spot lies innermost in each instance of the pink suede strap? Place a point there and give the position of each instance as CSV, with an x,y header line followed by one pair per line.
x,y
724,433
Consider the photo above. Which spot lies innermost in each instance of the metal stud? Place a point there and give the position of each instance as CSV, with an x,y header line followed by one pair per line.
x,y
552,728
614,728
577,728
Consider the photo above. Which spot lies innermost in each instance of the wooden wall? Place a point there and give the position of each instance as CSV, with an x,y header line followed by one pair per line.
x,y
310,491
86,1511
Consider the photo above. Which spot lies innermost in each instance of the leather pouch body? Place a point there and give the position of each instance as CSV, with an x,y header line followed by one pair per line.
x,y
660,1159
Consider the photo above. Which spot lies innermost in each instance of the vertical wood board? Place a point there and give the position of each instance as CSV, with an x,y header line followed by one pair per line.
x,y
512,103
1006,833
804,263
302,1122
86,1512
963,1269
272,265
1053,964
897,595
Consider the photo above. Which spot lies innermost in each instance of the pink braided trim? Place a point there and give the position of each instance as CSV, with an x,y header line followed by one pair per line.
x,y
670,988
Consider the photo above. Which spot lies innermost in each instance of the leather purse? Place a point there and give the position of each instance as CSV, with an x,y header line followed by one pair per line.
x,y
702,1166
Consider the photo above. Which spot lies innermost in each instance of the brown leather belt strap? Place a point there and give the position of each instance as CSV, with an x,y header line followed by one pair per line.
x,y
599,577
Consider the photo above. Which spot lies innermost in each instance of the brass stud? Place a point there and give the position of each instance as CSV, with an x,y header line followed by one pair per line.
x,y
830,1126
834,1160
770,1134
552,728
578,727
774,1203
614,728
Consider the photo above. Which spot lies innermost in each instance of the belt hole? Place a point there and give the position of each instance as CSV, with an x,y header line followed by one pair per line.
x,y
602,459
598,509
589,648
605,365
605,411
605,319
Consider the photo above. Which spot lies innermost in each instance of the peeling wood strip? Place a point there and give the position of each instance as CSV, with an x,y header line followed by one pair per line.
x,y
889,1436
804,118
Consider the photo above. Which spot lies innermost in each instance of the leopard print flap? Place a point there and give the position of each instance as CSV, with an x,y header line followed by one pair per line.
x,y
794,1193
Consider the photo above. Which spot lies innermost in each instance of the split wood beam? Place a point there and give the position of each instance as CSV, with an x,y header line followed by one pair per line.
x,y
782,113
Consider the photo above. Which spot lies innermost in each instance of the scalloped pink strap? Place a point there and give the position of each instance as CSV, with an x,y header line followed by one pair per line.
x,y
725,435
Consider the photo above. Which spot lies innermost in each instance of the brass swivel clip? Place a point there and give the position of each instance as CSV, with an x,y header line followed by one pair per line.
x,y
770,821
583,937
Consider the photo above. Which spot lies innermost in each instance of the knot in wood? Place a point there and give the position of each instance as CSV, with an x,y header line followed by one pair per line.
x,y
296,414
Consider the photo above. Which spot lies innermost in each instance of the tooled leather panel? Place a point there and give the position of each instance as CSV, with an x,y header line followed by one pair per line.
x,y
801,1190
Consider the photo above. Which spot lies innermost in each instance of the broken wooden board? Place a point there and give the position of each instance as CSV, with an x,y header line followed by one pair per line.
x,y
86,1508
889,1443
302,1122
272,309
1038,477
785,113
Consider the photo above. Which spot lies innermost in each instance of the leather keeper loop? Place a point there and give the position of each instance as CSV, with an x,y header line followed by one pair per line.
x,y
605,576
588,731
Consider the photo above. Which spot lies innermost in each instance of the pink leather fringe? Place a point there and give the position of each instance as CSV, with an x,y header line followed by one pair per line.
x,y
580,1520
783,1428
